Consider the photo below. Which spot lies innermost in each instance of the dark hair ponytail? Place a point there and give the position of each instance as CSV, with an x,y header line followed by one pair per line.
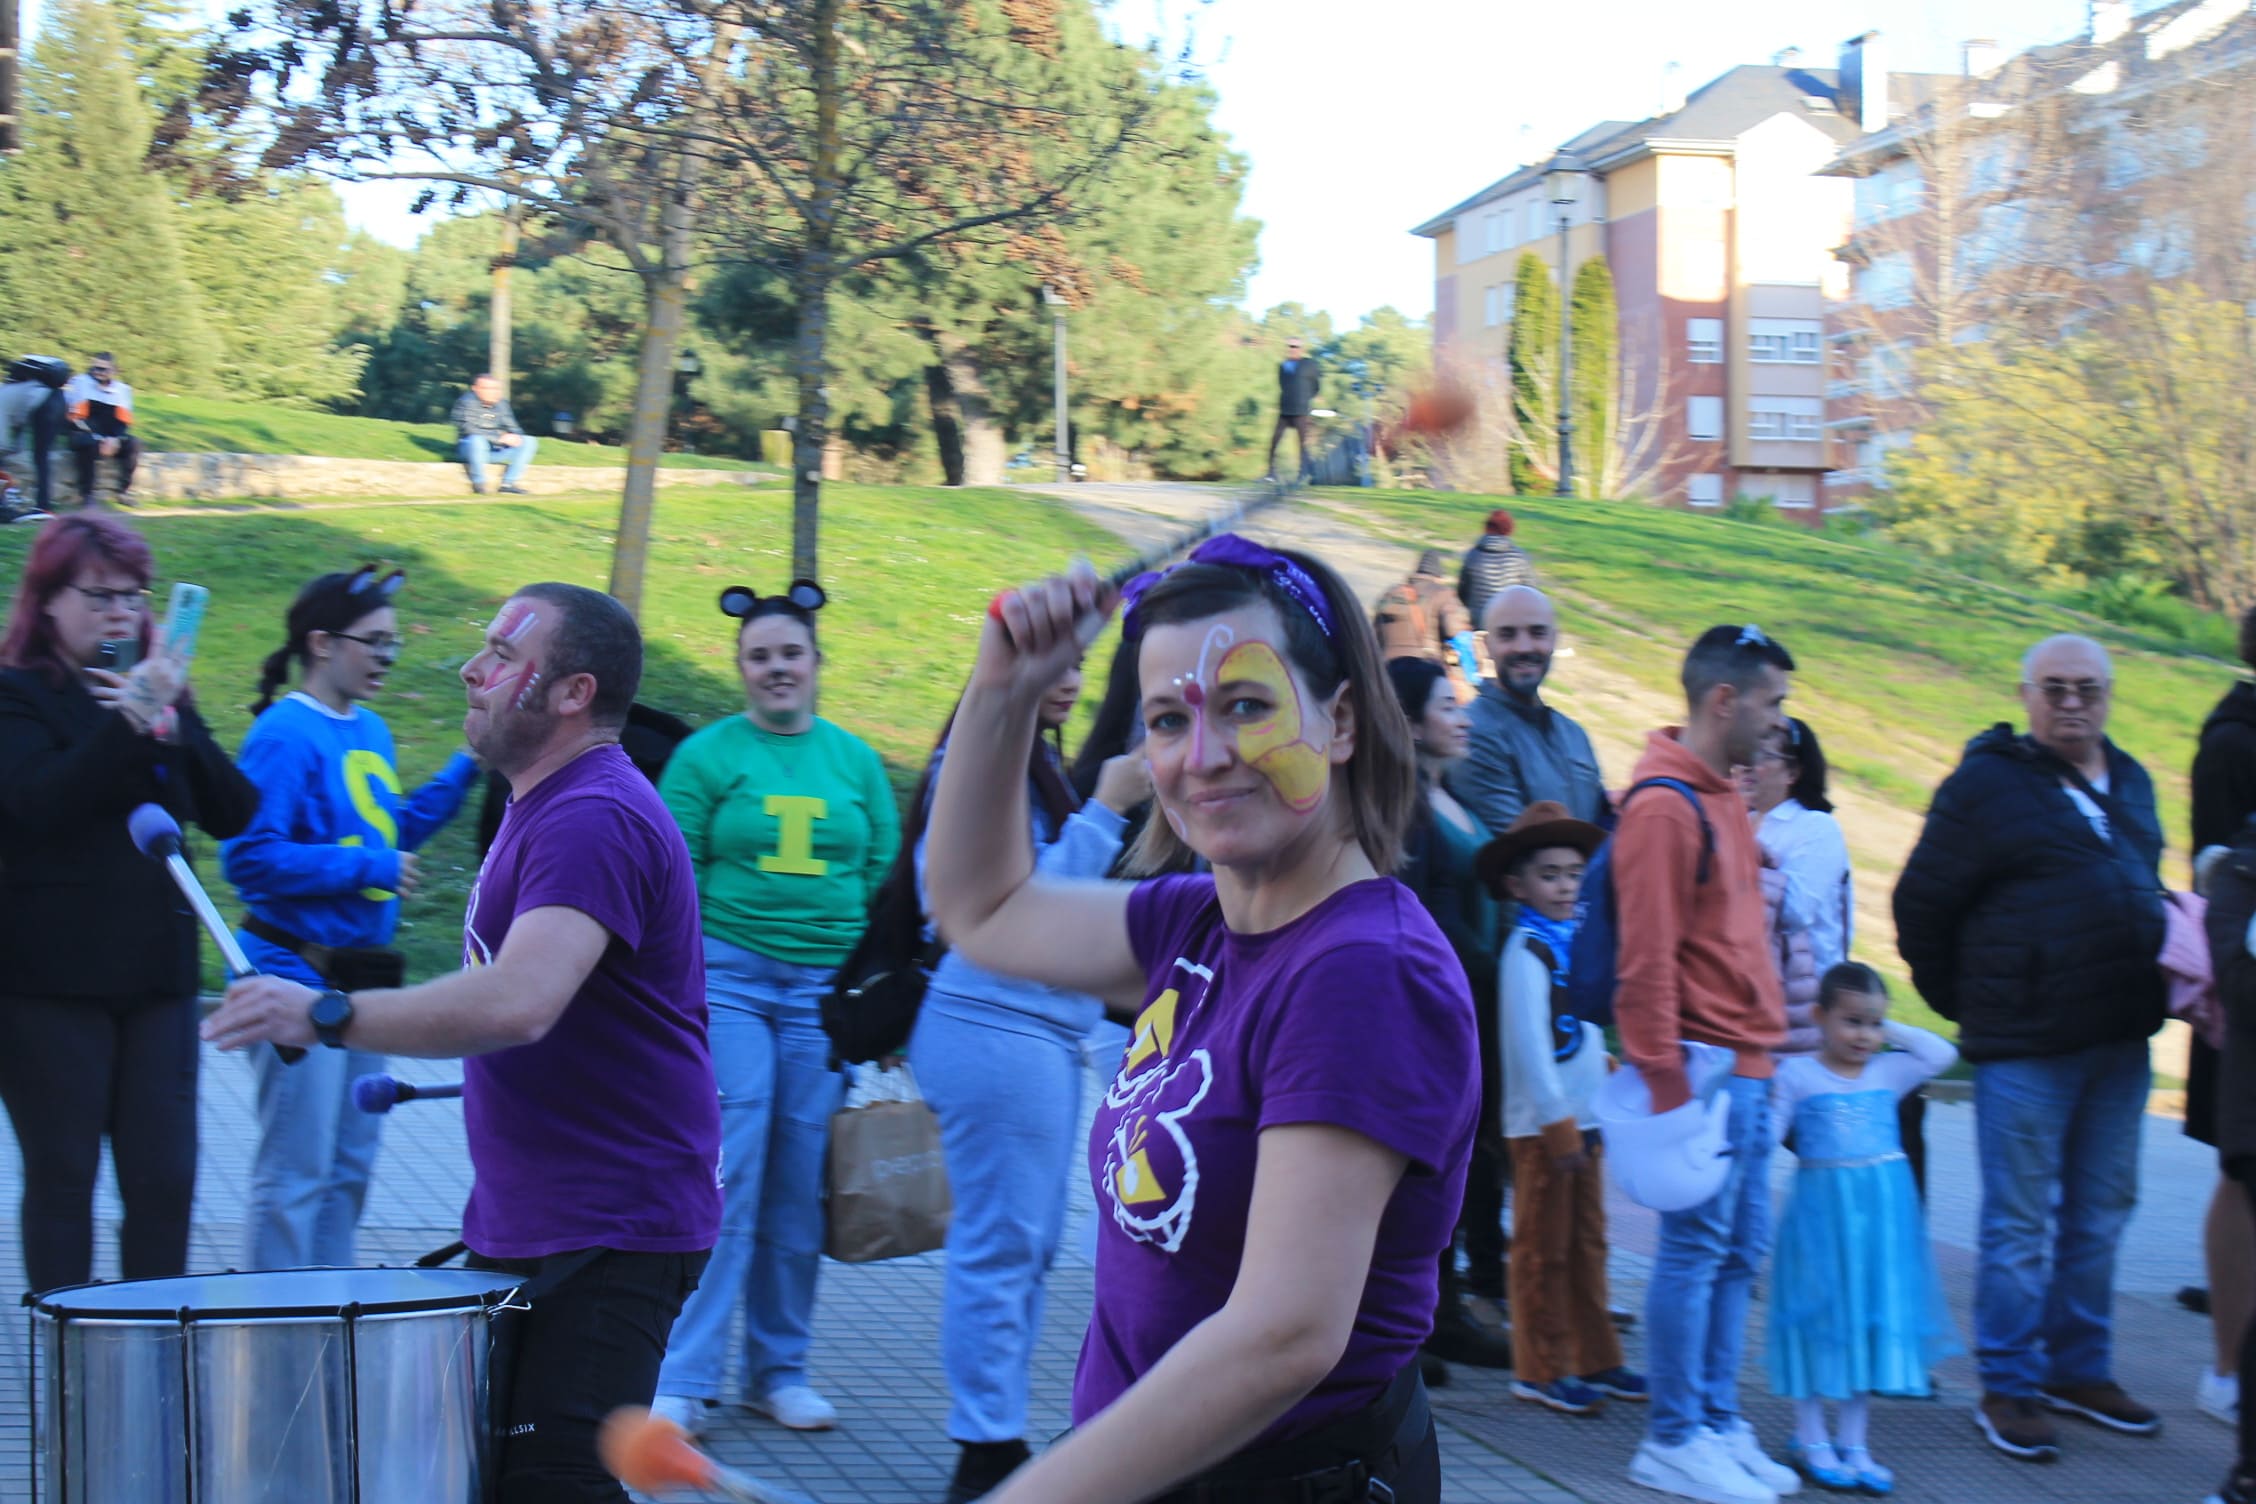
x,y
328,603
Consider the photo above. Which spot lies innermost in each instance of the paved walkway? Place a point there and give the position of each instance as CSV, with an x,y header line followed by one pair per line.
x,y
876,1327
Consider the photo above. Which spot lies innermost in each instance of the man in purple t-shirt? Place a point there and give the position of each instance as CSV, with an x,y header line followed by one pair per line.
x,y
592,1116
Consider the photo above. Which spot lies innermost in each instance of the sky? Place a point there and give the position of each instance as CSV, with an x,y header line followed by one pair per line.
x,y
1362,118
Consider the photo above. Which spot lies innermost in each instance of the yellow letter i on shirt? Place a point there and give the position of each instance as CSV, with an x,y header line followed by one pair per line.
x,y
795,816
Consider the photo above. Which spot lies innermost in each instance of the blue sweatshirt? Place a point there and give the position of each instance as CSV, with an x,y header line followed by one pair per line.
x,y
1085,849
323,856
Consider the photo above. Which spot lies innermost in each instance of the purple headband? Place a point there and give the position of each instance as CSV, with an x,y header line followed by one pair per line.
x,y
1235,552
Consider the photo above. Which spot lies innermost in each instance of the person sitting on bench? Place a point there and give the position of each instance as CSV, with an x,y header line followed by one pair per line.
x,y
484,423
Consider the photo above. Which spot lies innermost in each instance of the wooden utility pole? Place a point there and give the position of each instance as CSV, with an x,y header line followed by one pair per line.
x,y
11,138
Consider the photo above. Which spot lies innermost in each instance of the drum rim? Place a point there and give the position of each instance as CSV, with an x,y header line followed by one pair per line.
x,y
53,1304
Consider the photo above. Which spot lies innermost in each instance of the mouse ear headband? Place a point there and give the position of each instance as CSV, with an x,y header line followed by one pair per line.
x,y
365,579
740,601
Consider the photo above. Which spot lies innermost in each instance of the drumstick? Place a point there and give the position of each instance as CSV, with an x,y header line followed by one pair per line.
x,y
1244,506
650,1455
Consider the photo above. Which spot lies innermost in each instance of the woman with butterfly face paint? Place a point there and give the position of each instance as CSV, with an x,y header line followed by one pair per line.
x,y
322,871
1279,1161
791,825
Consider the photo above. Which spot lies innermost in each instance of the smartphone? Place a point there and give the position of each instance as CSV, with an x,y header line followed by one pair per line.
x,y
184,621
119,655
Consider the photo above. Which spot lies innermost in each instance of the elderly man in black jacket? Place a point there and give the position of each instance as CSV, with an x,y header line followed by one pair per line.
x,y
2031,914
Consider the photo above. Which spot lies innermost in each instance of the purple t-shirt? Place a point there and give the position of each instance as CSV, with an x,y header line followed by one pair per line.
x,y
607,1133
1357,1013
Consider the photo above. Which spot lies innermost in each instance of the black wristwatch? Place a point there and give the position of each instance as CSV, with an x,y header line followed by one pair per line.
x,y
332,1014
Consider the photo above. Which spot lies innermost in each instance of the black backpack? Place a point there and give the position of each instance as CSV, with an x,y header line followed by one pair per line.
x,y
871,1008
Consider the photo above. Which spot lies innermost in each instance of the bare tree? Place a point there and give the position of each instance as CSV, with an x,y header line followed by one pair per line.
x,y
1638,458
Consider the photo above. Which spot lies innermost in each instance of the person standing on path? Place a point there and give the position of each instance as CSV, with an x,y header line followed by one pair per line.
x,y
1522,750
485,422
98,955
2031,915
1494,562
2232,911
791,825
1298,377
322,870
999,1060
1422,618
1694,964
1279,1160
1437,864
2224,797
587,1098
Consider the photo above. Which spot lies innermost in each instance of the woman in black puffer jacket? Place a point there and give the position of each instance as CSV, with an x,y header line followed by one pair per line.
x,y
2232,909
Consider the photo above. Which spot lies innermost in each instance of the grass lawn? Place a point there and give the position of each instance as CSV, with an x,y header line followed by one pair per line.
x,y
198,425
910,574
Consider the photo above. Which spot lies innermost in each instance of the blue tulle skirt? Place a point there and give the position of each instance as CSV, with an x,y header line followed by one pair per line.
x,y
1855,1304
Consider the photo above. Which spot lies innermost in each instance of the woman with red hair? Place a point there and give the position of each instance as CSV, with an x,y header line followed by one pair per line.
x,y
98,967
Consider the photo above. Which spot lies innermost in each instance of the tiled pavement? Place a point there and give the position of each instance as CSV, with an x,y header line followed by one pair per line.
x,y
877,1327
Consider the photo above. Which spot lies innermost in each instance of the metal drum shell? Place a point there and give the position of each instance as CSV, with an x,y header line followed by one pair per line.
x,y
271,1387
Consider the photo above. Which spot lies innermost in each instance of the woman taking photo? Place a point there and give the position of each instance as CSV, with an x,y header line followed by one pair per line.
x,y
322,870
1437,864
1279,1161
98,961
791,825
999,1060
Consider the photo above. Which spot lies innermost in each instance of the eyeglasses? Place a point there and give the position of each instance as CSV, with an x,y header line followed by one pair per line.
x,y
104,600
2058,692
375,642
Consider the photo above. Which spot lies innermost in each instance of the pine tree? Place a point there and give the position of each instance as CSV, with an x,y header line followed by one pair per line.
x,y
263,263
1533,356
90,237
1595,326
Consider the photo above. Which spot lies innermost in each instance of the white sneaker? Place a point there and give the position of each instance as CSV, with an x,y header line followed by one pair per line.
x,y
796,1407
1745,1448
693,1415
1698,1469
2218,1395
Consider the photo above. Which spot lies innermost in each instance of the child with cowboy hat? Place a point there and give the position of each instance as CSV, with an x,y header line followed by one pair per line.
x,y
1568,1356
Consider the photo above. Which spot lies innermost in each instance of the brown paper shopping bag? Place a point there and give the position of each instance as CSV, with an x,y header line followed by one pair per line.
x,y
888,1185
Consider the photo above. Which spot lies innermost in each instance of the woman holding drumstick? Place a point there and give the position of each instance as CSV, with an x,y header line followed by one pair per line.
x,y
1279,1161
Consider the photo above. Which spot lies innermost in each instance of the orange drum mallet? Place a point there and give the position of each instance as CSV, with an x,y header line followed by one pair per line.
x,y
651,1455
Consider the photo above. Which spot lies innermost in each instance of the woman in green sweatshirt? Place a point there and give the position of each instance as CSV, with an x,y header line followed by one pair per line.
x,y
792,826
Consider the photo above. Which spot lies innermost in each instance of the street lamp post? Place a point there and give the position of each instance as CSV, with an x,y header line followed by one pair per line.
x,y
1563,179
1057,399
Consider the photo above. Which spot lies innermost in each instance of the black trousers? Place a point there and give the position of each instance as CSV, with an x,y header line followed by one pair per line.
x,y
1482,1221
48,420
73,1072
592,1342
1299,423
2244,1171
86,448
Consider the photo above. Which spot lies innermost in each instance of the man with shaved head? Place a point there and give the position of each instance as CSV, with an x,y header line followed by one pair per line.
x,y
2031,915
1523,750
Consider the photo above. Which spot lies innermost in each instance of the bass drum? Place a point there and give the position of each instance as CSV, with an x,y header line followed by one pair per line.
x,y
295,1386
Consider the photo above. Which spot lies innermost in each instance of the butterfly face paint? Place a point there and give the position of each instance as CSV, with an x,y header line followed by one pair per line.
x,y
1276,746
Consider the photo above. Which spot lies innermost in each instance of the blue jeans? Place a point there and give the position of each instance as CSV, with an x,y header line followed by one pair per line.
x,y
778,1092
316,1150
1007,1090
478,453
2058,1137
1703,1279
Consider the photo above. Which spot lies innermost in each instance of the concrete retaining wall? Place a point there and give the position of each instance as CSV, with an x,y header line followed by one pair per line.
x,y
188,477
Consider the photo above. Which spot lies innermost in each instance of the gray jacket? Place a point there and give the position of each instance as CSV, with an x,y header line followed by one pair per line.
x,y
487,418
1521,753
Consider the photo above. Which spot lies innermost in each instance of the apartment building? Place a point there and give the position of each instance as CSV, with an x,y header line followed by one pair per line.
x,y
1719,226
2053,179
